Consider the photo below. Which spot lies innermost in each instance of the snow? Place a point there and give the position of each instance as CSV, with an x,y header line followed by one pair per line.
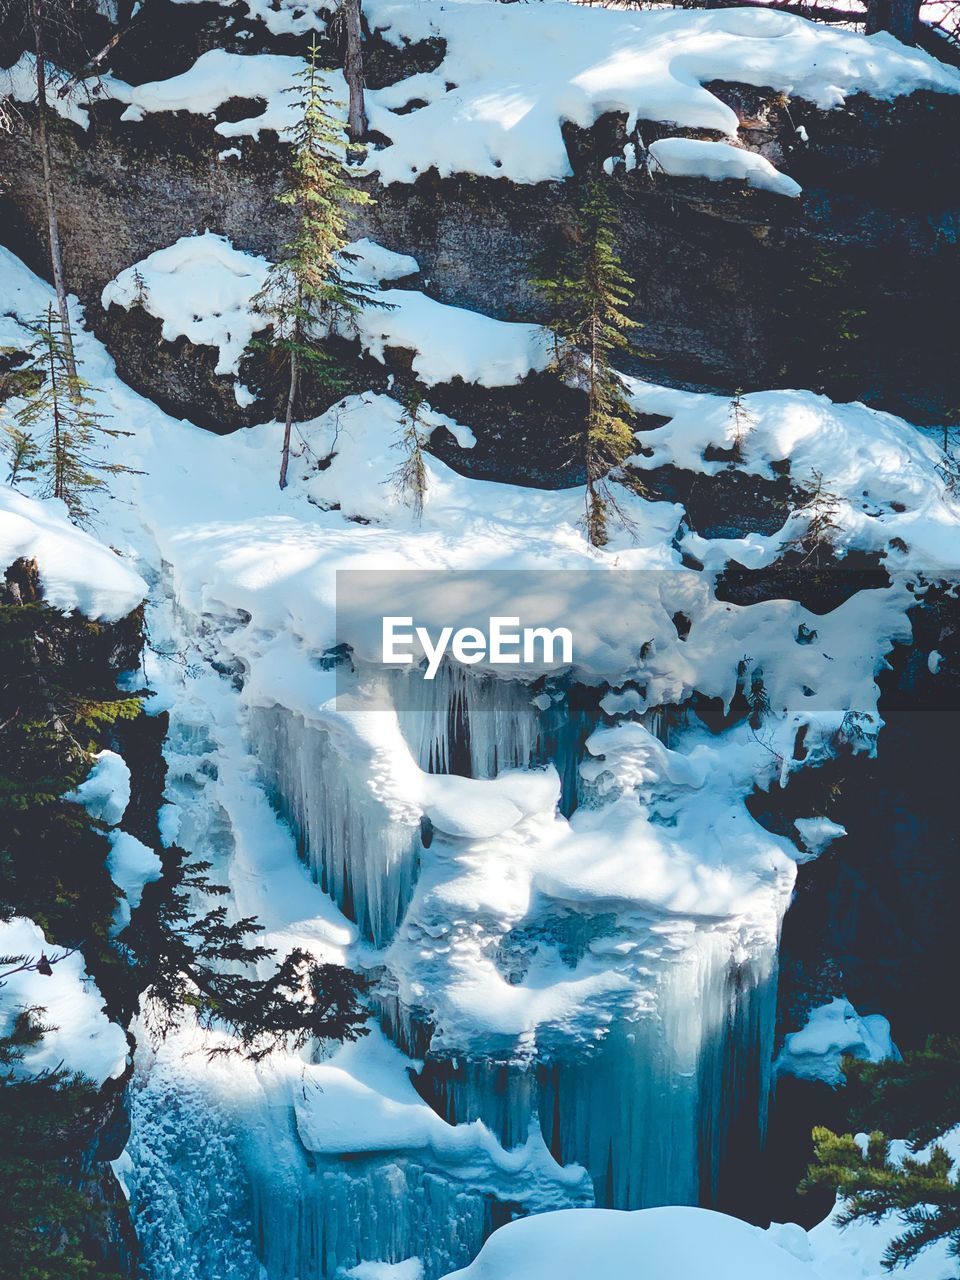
x,y
409,1269
817,834
76,571
831,1031
513,74
576,984
670,1244
132,866
105,792
873,463
284,17
204,271
476,348
692,1244
201,288
81,1037
718,161
19,83
362,1099
215,78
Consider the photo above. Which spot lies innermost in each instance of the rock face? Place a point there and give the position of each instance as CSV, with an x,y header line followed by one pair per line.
x,y
734,286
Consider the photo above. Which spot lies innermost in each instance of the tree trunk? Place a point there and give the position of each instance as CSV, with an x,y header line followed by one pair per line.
x,y
899,17
53,223
353,71
291,397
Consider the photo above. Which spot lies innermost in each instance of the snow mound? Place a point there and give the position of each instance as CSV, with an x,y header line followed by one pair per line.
x,y
132,866
76,571
284,17
201,289
831,1031
81,1038
657,1244
884,476
718,161
105,792
817,834
475,347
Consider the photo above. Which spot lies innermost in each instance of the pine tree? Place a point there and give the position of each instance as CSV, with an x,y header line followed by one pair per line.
x,y
743,423
21,452
66,460
587,292
45,1219
309,290
410,478
919,1099
820,509
195,962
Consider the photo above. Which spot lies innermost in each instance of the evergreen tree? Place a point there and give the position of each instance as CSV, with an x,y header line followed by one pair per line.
x,y
193,962
587,292
21,452
821,507
66,459
919,1099
45,1218
743,423
309,290
410,478
55,707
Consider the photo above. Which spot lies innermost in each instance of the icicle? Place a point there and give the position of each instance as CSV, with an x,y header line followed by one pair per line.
x,y
653,1111
362,849
479,725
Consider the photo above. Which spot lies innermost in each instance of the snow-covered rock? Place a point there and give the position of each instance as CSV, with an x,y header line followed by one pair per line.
x,y
81,1037
832,1031
76,570
105,792
718,161
201,289
132,866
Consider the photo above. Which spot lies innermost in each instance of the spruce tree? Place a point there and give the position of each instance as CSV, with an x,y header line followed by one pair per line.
x,y
309,290
587,292
918,1099
743,423
816,544
61,419
410,478
197,961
